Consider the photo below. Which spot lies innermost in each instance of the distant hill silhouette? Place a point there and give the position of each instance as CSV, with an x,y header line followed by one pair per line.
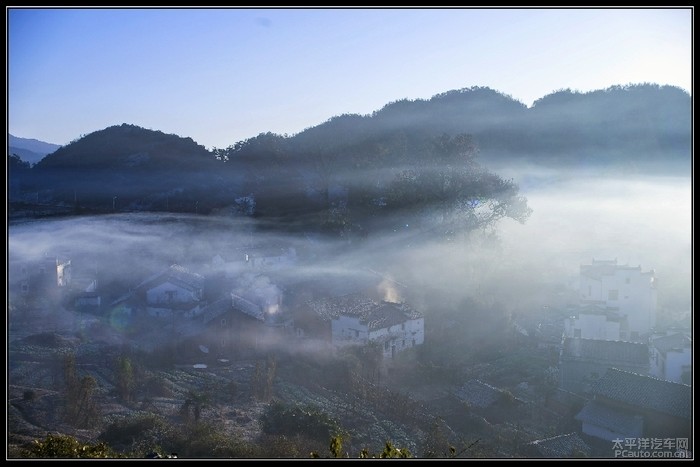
x,y
30,150
354,159
128,147
129,167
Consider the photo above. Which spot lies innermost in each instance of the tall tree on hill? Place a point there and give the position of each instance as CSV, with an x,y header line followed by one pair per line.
x,y
449,193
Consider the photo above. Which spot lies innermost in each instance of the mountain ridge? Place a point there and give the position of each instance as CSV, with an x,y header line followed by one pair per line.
x,y
625,129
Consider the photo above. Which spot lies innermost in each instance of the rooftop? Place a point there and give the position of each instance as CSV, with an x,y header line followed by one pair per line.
x,y
645,392
478,394
614,420
671,342
375,314
605,351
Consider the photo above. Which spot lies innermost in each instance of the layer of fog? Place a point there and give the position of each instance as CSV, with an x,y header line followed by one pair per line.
x,y
639,220
643,222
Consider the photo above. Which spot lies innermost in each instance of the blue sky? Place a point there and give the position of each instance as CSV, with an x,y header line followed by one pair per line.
x,y
221,76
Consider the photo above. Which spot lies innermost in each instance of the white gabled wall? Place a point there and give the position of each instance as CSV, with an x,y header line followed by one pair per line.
x,y
629,290
671,365
348,330
592,326
394,339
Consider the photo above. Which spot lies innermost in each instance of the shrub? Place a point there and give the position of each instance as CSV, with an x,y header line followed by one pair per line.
x,y
280,419
66,447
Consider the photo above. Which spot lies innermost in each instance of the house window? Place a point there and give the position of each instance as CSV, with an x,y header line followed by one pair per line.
x,y
386,345
25,287
403,342
612,294
357,333
223,322
635,336
414,343
577,333
403,326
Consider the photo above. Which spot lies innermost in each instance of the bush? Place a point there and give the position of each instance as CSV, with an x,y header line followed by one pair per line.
x,y
140,433
280,419
67,447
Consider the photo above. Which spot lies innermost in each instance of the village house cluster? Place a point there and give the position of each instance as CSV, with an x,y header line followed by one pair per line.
x,y
251,306
623,376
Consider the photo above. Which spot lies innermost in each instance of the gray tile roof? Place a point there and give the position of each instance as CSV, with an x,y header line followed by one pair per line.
x,y
675,341
645,392
610,418
478,394
176,274
387,314
351,304
605,351
377,315
561,446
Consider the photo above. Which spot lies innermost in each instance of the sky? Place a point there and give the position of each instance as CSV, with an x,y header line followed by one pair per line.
x,y
220,76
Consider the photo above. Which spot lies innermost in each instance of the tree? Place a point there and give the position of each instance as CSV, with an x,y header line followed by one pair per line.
x,y
125,378
69,373
196,401
16,164
263,378
81,408
371,356
449,193
437,443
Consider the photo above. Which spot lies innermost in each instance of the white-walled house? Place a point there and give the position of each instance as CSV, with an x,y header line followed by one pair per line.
x,y
174,288
596,322
39,274
671,357
254,259
85,291
356,319
618,302
176,285
394,326
272,258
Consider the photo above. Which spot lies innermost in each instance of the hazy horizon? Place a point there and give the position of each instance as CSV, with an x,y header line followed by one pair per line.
x,y
225,75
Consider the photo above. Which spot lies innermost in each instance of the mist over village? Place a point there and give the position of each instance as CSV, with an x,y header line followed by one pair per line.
x,y
458,277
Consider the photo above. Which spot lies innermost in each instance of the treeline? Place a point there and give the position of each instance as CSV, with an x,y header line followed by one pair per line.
x,y
345,174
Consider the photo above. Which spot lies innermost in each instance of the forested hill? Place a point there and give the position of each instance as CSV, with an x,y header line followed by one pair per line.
x,y
636,124
407,148
129,146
